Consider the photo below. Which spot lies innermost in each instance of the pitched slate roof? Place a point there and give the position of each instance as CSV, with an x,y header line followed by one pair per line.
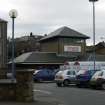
x,y
100,45
40,58
65,32
97,46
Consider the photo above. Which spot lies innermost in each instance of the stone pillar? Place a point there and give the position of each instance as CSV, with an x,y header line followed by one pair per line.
x,y
24,88
3,48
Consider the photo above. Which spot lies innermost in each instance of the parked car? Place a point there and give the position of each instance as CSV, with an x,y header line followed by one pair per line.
x,y
98,79
65,77
83,77
44,75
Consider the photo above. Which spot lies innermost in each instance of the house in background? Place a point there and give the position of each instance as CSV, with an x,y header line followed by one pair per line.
x,y
65,42
99,48
25,44
99,53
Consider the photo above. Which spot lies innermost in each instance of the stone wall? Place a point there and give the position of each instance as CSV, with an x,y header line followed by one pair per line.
x,y
7,90
20,89
3,72
24,87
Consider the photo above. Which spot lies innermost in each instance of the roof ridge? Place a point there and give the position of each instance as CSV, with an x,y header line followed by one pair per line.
x,y
65,32
64,27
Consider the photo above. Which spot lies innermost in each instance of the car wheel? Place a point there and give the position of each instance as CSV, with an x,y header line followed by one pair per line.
x,y
59,84
78,85
92,86
40,80
66,82
103,86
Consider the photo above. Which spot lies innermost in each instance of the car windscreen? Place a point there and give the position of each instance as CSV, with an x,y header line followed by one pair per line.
x,y
60,72
97,74
70,72
81,72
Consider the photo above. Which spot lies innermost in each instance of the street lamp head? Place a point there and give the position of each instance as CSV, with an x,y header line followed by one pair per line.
x,y
13,13
93,0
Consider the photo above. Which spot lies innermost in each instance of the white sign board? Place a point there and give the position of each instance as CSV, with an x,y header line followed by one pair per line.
x,y
69,48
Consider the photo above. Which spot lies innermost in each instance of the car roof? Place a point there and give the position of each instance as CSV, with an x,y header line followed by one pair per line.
x,y
97,72
64,71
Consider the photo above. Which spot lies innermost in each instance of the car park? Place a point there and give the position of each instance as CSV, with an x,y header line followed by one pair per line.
x,y
44,75
65,77
98,80
83,77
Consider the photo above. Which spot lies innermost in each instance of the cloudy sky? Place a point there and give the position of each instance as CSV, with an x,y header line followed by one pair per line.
x,y
44,16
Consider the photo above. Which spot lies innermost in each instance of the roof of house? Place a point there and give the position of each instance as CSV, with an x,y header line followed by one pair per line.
x,y
40,58
52,58
65,32
26,38
97,46
100,44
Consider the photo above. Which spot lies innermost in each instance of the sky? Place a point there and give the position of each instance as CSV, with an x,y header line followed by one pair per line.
x,y
44,16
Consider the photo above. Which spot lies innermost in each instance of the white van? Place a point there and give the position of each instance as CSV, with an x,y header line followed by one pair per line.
x,y
83,65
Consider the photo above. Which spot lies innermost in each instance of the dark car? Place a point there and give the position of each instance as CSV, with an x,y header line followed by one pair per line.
x,y
83,77
44,75
98,80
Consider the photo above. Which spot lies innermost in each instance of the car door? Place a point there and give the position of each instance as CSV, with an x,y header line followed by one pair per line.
x,y
103,76
44,75
71,75
50,74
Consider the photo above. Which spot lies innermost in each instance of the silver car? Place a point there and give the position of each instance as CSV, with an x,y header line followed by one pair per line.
x,y
66,77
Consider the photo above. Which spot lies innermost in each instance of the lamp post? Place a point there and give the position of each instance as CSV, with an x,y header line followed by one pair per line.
x,y
94,54
13,15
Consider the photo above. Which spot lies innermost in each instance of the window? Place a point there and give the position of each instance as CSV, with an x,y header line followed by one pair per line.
x,y
73,72
100,74
69,73
81,72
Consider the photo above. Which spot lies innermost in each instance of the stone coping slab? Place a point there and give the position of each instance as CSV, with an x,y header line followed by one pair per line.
x,y
8,81
24,70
